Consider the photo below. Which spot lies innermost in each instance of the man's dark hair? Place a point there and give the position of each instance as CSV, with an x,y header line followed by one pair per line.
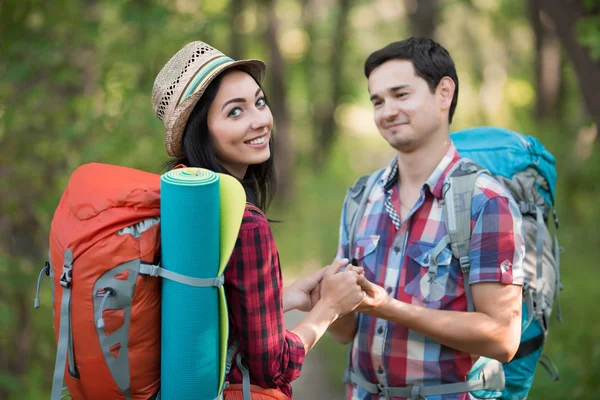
x,y
431,61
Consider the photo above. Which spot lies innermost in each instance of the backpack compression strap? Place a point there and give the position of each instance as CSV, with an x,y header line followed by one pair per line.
x,y
64,351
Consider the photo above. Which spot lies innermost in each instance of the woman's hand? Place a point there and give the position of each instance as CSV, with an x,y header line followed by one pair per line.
x,y
303,294
340,289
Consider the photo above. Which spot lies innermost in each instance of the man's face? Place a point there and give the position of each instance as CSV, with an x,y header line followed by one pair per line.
x,y
406,113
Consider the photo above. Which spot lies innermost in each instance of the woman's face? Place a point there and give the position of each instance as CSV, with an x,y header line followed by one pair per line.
x,y
240,123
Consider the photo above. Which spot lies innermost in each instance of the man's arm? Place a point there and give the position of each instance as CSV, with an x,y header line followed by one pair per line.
x,y
493,331
344,329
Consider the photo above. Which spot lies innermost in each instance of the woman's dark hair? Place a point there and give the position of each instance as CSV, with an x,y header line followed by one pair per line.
x,y
199,151
431,61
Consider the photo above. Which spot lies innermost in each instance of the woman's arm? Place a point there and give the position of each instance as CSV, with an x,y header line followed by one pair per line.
x,y
254,295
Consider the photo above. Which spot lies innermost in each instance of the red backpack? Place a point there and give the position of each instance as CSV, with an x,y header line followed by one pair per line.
x,y
104,235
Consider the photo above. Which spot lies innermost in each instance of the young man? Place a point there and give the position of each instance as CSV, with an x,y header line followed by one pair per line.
x,y
414,329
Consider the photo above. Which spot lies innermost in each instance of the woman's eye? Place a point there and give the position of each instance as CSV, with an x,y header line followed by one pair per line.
x,y
236,112
261,102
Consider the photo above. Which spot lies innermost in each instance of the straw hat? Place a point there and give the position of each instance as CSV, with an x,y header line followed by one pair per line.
x,y
183,80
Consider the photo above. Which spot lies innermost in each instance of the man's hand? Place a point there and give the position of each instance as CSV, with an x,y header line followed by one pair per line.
x,y
375,295
303,294
340,289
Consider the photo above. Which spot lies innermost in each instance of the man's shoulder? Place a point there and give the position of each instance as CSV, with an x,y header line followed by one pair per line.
x,y
488,188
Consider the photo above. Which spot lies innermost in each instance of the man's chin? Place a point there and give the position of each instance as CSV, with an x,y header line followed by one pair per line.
x,y
403,144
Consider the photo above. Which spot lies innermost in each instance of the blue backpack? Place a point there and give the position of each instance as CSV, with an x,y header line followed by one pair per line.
x,y
524,167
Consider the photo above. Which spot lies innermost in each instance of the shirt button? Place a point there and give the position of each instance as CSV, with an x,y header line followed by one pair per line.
x,y
380,330
380,370
389,290
397,249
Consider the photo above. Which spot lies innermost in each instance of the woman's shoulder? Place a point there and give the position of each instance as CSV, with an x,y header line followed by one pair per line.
x,y
253,218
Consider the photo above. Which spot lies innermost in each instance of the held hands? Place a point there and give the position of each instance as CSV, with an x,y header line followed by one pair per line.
x,y
340,290
375,295
303,294
348,289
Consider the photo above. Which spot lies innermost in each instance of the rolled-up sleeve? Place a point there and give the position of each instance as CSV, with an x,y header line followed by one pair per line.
x,y
497,246
253,285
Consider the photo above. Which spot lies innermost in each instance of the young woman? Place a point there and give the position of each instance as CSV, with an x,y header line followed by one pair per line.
x,y
217,117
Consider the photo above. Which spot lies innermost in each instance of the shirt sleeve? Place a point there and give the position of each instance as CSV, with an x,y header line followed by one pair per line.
x,y
254,293
497,247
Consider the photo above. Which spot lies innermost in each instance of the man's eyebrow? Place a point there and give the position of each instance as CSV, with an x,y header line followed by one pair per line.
x,y
392,89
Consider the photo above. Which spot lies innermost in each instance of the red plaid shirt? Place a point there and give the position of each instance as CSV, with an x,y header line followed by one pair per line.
x,y
254,288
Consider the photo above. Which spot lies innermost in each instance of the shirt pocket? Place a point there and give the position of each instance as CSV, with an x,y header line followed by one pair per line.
x,y
365,254
436,290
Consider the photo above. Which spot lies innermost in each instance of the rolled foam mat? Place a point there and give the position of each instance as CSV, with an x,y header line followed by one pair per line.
x,y
201,213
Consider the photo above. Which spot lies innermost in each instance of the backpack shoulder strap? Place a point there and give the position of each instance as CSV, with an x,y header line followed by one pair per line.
x,y
458,193
356,202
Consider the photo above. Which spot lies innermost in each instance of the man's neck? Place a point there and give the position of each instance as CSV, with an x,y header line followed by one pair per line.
x,y
416,167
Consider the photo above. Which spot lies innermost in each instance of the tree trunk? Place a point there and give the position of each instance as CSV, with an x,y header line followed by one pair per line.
x,y
328,128
235,9
565,14
284,158
547,63
424,17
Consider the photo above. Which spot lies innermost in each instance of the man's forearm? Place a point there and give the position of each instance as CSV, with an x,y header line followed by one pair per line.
x,y
471,332
344,329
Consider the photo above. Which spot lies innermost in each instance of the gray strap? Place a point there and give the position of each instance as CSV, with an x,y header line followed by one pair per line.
x,y
156,270
415,391
539,254
245,377
65,335
433,265
549,366
457,215
61,351
235,345
556,248
45,270
356,203
71,351
528,297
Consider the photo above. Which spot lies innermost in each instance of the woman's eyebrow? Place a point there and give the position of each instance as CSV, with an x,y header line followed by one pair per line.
x,y
239,99
236,100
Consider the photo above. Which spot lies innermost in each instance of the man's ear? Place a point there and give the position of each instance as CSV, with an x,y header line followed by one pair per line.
x,y
445,92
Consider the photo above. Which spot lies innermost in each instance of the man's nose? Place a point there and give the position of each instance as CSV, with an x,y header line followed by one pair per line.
x,y
390,110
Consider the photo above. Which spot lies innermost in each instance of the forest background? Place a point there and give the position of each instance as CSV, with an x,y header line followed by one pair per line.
x,y
75,85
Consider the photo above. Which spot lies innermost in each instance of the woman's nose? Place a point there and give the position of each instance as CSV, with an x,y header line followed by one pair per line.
x,y
262,118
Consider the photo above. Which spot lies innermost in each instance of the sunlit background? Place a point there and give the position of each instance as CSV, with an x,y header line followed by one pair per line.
x,y
75,85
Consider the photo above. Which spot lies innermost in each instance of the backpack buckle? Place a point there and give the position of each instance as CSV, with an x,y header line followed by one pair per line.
x,y
465,264
67,276
384,391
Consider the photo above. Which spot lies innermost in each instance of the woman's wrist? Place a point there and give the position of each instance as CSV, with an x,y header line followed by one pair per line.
x,y
288,300
326,310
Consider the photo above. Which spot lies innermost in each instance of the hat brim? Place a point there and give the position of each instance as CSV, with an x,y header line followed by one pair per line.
x,y
176,123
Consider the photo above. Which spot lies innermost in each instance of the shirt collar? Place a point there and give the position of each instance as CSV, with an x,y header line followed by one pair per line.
x,y
435,182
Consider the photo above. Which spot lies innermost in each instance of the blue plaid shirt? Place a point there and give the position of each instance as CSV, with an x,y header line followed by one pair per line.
x,y
395,255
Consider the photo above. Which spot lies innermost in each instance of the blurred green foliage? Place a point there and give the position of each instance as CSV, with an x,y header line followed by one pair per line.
x,y
75,84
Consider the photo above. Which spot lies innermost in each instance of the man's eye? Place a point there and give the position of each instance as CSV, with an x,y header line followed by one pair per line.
x,y
236,112
399,95
377,103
